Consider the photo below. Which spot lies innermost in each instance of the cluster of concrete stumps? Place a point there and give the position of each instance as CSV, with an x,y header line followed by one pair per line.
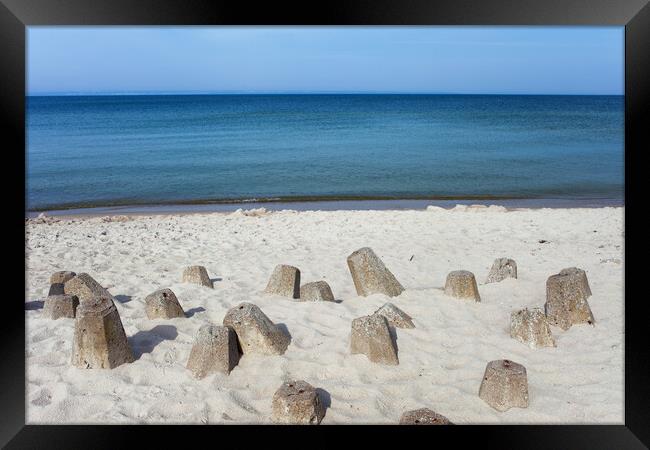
x,y
505,382
285,282
100,340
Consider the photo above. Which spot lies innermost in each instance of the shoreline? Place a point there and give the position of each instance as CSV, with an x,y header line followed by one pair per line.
x,y
336,204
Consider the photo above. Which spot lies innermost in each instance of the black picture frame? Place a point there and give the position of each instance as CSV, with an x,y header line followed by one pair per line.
x,y
16,15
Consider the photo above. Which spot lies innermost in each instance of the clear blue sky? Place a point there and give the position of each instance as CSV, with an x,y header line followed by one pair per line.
x,y
492,60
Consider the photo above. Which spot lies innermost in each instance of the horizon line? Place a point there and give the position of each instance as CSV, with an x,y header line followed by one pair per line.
x,y
172,93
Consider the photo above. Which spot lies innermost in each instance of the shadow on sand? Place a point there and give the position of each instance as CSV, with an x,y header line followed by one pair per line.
x,y
282,327
145,341
191,312
123,298
33,305
325,397
393,336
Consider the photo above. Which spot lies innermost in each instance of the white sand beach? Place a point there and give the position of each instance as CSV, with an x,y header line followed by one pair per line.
x,y
441,360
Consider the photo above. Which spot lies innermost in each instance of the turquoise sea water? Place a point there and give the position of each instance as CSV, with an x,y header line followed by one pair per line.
x,y
85,151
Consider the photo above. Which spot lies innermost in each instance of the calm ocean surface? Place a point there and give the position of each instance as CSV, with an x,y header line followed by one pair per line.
x,y
85,151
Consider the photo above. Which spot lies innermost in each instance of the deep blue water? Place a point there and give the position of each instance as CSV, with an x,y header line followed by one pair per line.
x,y
112,150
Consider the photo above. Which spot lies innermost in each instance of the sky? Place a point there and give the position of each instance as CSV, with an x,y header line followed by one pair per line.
x,y
407,59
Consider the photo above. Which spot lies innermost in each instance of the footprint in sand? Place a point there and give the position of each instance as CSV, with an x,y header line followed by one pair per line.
x,y
170,357
243,404
384,408
43,398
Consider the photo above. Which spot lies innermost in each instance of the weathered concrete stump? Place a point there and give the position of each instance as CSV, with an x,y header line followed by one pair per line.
x,y
215,350
504,385
566,299
56,289
197,275
581,275
99,339
371,336
163,304
57,306
285,281
531,327
395,316
423,416
255,331
317,291
501,269
57,280
370,275
62,277
85,288
297,403
462,284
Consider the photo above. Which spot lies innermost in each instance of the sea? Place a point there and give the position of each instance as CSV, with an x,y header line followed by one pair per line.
x,y
188,151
